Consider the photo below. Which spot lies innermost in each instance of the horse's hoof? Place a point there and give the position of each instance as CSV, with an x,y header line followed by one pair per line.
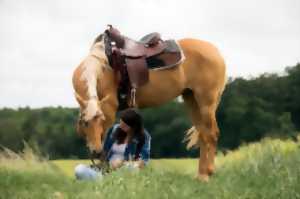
x,y
202,177
210,171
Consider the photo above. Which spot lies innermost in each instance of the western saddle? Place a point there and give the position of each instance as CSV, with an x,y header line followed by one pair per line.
x,y
133,59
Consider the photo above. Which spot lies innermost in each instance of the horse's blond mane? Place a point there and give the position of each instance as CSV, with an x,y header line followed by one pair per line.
x,y
91,72
98,50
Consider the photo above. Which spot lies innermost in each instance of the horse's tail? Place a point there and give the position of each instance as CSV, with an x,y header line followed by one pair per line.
x,y
192,137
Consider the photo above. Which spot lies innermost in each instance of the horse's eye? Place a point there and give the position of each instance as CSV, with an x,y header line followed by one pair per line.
x,y
85,124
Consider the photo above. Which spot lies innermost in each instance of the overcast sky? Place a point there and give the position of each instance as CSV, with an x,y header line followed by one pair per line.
x,y
41,42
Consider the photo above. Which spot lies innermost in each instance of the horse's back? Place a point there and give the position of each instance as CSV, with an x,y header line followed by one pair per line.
x,y
200,49
204,63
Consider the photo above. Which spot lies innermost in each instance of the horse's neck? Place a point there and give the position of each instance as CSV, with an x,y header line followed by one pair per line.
x,y
108,97
106,77
92,69
98,50
101,80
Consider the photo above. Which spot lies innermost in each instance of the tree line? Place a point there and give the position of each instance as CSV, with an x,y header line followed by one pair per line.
x,y
250,109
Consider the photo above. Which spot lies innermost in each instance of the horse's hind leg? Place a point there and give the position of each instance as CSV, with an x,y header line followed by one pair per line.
x,y
202,109
208,132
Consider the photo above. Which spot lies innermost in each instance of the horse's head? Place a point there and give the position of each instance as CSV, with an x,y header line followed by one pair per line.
x,y
91,122
95,88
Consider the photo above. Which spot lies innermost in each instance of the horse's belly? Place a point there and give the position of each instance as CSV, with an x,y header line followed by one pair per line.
x,y
163,86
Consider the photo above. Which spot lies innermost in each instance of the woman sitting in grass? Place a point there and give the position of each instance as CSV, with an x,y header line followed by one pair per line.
x,y
127,143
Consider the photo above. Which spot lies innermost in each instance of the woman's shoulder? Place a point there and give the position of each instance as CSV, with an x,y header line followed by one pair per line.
x,y
111,131
114,128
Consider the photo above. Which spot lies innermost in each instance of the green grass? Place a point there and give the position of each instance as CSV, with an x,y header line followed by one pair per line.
x,y
269,169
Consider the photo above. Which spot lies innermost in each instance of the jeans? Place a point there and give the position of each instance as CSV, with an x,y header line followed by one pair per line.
x,y
85,172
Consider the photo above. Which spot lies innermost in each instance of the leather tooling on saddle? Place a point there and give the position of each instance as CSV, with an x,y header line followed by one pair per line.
x,y
133,60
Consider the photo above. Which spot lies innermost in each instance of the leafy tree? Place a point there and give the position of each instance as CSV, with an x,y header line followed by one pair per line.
x,y
250,110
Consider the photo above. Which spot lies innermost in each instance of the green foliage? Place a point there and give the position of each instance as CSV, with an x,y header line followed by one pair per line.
x,y
52,129
167,126
269,169
260,107
250,109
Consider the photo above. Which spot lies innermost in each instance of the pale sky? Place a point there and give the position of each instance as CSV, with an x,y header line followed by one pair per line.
x,y
41,42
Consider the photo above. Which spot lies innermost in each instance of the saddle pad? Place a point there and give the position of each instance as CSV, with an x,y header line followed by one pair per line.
x,y
172,56
172,46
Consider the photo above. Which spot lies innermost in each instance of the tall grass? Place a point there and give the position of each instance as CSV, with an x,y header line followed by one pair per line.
x,y
269,169
27,160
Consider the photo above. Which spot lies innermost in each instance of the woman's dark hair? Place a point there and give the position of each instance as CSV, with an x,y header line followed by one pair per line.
x,y
133,119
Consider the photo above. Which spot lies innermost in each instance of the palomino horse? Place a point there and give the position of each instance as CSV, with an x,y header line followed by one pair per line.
x,y
200,79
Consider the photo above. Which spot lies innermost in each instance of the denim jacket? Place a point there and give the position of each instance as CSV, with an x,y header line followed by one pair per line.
x,y
130,148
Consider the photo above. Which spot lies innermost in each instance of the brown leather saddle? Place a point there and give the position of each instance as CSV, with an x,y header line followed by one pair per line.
x,y
133,59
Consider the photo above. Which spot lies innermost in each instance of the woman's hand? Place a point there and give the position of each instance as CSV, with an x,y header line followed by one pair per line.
x,y
115,164
140,164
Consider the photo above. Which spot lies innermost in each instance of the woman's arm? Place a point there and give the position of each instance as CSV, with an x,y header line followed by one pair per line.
x,y
145,152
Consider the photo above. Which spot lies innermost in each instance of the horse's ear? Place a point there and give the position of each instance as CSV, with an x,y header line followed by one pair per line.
x,y
81,101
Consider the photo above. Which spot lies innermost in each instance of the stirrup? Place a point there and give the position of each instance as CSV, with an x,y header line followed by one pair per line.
x,y
132,97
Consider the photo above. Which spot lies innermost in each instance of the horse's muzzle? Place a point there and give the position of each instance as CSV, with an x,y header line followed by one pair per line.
x,y
97,156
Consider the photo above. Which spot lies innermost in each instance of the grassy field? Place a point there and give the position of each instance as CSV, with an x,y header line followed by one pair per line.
x,y
269,169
